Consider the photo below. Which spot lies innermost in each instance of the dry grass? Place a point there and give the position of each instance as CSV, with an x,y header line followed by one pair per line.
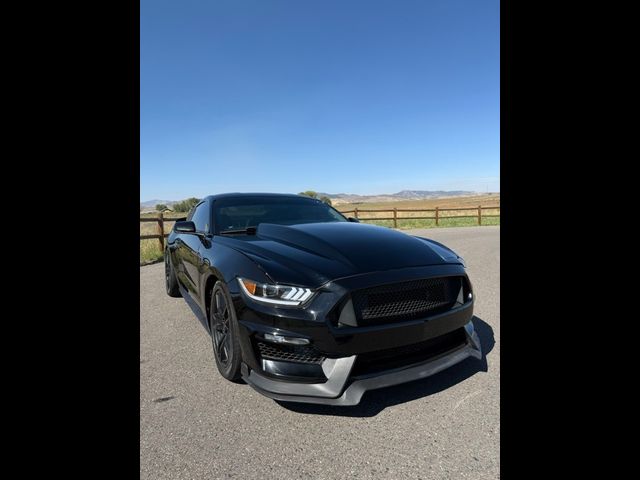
x,y
150,251
447,219
150,248
454,202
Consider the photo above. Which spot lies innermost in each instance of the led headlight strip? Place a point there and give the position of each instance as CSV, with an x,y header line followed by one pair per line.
x,y
275,294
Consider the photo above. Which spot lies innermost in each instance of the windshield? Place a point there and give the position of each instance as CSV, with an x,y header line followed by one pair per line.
x,y
242,212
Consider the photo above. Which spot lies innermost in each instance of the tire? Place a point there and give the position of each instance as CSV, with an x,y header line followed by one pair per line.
x,y
223,324
171,282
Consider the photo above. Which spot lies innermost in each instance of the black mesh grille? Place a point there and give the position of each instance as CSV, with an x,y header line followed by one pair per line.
x,y
375,362
289,353
406,300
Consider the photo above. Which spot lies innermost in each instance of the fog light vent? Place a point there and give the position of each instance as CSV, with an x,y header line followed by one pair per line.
x,y
289,353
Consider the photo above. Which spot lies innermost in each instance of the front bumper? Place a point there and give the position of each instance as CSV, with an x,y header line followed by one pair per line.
x,y
339,378
341,389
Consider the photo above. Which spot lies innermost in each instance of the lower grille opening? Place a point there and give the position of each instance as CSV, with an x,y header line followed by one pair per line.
x,y
376,362
289,353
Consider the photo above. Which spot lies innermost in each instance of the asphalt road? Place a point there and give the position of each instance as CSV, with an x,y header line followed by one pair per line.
x,y
194,424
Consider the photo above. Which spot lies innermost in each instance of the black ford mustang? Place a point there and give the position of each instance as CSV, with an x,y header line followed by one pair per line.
x,y
306,305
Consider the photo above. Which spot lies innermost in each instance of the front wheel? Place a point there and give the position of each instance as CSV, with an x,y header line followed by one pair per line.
x,y
171,282
224,333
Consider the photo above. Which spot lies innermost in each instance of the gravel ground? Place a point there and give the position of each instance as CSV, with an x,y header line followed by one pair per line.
x,y
194,424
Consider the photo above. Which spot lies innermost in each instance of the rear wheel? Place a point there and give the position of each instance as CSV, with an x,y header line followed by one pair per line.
x,y
224,333
171,282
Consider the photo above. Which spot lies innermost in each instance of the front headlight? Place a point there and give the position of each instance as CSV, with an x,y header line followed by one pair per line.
x,y
275,294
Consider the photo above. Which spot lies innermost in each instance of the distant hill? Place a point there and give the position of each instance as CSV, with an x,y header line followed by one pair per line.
x,y
338,198
153,203
431,194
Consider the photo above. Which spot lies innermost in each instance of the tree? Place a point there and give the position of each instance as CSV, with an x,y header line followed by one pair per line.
x,y
309,193
326,199
161,207
186,205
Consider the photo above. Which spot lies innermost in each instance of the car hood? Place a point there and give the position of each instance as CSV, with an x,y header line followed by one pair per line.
x,y
314,253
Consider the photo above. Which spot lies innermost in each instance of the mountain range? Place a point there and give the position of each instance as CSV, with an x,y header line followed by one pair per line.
x,y
338,198
153,203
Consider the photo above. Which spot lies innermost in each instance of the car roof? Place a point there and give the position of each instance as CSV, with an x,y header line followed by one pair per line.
x,y
257,194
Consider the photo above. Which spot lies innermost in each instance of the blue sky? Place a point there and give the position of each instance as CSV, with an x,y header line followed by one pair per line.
x,y
335,96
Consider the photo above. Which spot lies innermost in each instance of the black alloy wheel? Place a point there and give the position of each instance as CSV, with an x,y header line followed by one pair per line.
x,y
171,282
224,334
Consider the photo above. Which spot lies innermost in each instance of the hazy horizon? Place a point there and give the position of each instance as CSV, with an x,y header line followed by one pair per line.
x,y
324,193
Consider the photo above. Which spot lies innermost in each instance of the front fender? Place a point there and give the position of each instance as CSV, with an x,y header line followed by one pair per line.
x,y
224,263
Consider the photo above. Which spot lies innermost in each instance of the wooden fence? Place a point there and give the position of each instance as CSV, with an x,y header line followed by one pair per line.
x,y
437,211
161,235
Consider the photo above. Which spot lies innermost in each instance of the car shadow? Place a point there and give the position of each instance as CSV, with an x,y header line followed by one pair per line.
x,y
374,401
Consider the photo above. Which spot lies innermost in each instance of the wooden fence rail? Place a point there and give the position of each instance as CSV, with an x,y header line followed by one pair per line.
x,y
437,213
161,235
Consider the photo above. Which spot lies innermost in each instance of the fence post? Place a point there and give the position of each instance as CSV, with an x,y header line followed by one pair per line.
x,y
479,214
437,216
161,230
355,212
395,218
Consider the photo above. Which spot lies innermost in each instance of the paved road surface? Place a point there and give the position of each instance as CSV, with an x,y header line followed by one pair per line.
x,y
194,424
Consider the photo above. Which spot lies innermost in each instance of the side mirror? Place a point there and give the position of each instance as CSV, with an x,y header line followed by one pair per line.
x,y
353,219
185,227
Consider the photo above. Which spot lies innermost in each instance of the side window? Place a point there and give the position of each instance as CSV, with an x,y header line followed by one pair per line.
x,y
201,217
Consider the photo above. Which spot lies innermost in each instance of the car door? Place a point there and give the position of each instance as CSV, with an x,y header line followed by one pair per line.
x,y
179,250
191,244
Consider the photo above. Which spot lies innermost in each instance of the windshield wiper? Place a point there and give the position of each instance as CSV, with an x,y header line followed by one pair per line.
x,y
240,231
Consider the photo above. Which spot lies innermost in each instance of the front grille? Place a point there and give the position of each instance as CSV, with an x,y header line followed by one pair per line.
x,y
289,353
376,362
405,301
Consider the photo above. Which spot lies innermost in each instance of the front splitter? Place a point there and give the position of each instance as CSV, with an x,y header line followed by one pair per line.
x,y
328,393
